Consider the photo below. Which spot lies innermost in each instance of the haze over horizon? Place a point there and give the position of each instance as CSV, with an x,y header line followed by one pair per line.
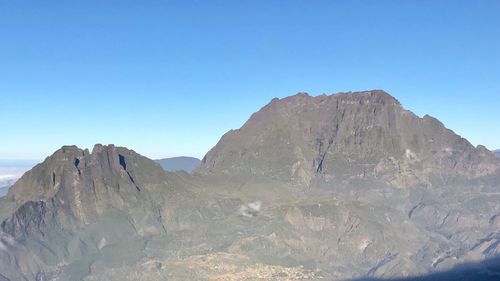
x,y
168,79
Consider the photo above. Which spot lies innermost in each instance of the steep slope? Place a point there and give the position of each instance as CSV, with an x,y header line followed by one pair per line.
x,y
182,163
97,215
76,202
366,149
345,137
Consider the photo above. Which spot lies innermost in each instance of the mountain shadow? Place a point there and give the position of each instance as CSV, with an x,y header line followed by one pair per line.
x,y
486,270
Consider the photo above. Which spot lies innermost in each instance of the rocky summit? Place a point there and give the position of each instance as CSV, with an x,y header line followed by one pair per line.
x,y
344,138
332,187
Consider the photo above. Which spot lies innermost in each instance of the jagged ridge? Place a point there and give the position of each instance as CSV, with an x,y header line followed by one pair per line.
x,y
76,202
344,137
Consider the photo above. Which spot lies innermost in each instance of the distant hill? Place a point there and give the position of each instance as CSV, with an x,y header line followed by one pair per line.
x,y
182,163
497,153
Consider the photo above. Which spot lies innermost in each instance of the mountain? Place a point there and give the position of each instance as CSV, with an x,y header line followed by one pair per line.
x,y
182,163
344,138
497,152
333,187
74,203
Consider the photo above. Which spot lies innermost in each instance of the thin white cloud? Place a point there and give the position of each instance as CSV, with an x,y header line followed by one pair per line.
x,y
9,174
8,177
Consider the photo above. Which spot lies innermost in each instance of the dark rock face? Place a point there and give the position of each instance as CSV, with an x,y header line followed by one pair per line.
x,y
59,201
344,137
330,187
183,163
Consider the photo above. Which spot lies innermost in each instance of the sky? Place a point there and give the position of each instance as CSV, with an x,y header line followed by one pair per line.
x,y
169,78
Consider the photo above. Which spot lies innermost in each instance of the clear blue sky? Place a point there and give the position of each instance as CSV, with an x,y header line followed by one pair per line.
x,y
168,78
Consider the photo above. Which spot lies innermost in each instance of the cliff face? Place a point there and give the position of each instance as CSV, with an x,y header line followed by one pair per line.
x,y
76,202
344,137
71,171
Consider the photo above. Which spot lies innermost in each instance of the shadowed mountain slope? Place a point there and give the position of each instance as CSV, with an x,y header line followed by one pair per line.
x,y
488,270
76,202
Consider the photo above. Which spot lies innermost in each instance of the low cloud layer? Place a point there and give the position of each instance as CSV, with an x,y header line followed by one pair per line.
x,y
10,173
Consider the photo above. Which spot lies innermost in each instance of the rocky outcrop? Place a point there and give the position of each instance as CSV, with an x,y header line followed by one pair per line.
x,y
346,137
75,202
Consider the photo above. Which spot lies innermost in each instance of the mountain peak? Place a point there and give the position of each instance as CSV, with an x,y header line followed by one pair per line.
x,y
366,97
79,198
71,167
373,95
345,137
302,99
